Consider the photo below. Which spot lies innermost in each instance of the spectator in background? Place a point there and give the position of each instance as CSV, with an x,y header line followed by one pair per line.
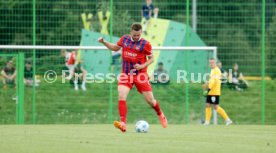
x,y
160,75
70,61
74,66
148,10
9,74
236,79
224,74
115,59
28,74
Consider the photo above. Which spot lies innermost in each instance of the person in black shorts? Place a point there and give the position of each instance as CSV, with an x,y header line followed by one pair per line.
x,y
212,93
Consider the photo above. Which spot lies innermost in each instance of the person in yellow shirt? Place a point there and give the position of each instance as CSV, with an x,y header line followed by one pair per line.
x,y
213,93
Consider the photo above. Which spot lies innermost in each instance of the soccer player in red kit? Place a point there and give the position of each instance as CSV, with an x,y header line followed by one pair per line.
x,y
137,56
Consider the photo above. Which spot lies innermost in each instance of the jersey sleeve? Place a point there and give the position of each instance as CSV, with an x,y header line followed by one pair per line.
x,y
120,42
148,49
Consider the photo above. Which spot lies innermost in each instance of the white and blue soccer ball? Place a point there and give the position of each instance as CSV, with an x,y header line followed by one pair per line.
x,y
142,126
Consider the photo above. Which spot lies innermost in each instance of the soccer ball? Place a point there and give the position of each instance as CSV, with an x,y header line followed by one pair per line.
x,y
142,126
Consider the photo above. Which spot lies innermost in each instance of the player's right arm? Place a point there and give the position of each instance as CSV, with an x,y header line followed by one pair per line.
x,y
113,47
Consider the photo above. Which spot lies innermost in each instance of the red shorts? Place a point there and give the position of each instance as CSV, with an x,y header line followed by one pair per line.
x,y
141,81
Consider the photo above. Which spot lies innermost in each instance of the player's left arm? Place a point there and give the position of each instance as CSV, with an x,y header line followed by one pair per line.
x,y
150,57
147,63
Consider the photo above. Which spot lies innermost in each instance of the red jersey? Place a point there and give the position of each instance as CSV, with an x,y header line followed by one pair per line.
x,y
70,58
134,53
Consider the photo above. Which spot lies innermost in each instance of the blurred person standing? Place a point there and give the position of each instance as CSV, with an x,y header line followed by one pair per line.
x,y
212,93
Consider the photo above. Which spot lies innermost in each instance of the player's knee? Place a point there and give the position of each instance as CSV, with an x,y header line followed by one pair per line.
x,y
151,100
122,96
84,72
207,105
215,107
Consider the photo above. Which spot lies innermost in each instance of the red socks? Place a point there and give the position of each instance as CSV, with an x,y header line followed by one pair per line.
x,y
122,106
157,108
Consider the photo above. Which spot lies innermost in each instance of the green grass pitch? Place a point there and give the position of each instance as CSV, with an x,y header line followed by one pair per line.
x,y
104,138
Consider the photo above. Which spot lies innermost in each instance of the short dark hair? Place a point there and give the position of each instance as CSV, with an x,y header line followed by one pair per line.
x,y
136,26
28,62
160,63
212,59
10,62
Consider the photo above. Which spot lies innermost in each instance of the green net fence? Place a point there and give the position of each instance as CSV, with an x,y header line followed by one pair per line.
x,y
236,27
